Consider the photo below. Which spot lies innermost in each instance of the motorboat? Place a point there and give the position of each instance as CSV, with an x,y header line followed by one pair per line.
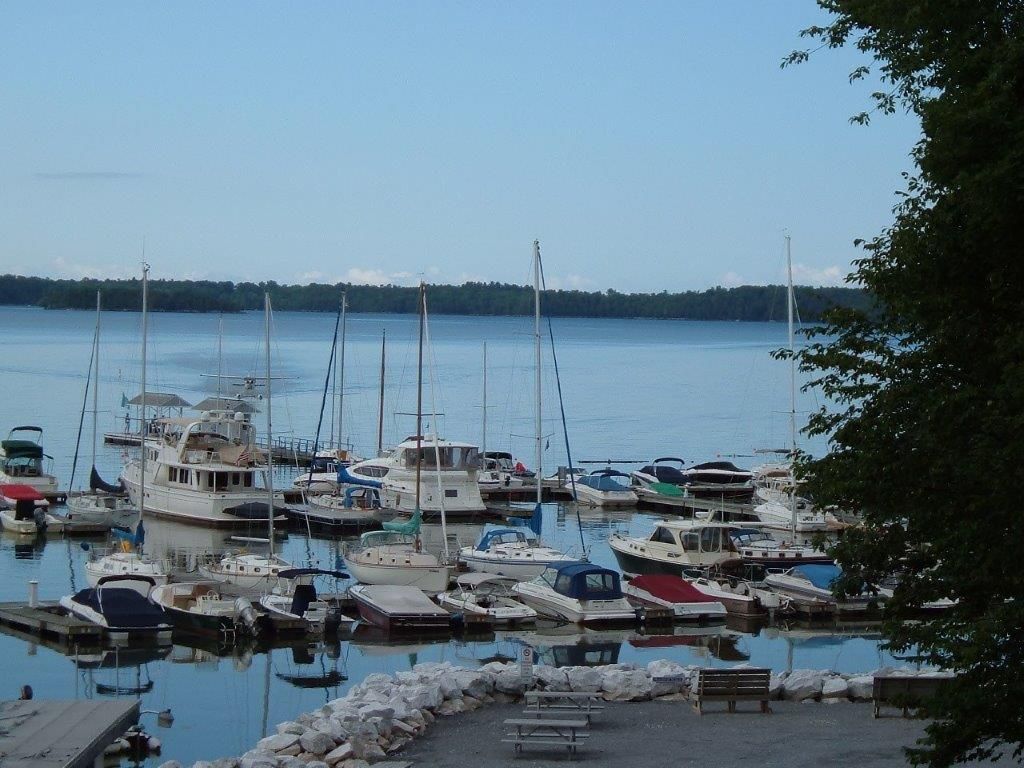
x,y
714,478
395,607
199,607
794,516
720,474
602,488
322,474
758,547
206,470
500,470
246,570
22,460
117,604
811,585
667,470
676,547
578,593
303,602
488,597
352,509
447,476
23,509
740,598
395,558
512,552
686,602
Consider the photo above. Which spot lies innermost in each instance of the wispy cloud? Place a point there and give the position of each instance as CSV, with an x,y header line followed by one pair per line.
x,y
807,275
731,279
88,175
65,268
570,282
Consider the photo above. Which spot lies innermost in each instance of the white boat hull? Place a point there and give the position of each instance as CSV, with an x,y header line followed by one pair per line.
x,y
126,564
546,602
521,566
431,579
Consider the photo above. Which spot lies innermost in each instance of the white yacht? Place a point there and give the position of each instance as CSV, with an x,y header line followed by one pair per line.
x,y
22,460
675,547
489,598
579,593
204,470
447,476
514,553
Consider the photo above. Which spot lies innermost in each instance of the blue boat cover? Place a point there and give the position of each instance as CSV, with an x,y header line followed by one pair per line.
x,y
121,607
535,522
602,483
344,476
586,581
821,576
498,535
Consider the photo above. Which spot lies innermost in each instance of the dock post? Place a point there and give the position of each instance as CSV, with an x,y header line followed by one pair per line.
x,y
33,594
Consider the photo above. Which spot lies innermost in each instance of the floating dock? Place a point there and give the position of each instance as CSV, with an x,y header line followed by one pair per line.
x,y
46,620
61,734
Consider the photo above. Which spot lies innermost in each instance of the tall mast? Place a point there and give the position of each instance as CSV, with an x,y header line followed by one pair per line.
x,y
380,410
483,437
142,421
220,354
96,378
341,374
539,454
792,387
419,401
270,434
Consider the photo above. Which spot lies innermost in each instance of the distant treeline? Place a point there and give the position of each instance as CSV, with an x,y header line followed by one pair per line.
x,y
749,302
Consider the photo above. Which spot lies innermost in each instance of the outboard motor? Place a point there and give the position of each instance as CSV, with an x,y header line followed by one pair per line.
x,y
245,615
39,514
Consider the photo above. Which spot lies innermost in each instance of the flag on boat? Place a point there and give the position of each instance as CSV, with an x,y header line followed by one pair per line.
x,y
140,535
243,458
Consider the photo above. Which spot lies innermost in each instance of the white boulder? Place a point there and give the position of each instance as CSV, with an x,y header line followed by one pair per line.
x,y
861,687
583,678
317,742
835,687
626,685
802,684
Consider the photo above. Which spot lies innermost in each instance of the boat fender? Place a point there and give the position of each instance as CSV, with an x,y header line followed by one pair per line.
x,y
245,614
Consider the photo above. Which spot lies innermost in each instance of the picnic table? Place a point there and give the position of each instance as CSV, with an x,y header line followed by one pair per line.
x,y
585,703
562,733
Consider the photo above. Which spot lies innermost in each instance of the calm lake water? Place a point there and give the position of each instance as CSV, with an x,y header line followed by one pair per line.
x,y
633,390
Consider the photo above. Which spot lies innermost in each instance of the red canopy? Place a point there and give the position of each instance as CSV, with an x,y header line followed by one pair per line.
x,y
672,589
20,492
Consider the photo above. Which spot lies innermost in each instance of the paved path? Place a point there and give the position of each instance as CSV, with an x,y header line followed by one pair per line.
x,y
656,734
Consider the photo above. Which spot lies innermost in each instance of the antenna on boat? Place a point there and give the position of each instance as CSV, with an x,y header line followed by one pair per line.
x,y
380,410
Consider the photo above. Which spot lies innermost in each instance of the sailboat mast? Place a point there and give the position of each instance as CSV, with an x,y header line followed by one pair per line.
x,y
96,378
419,401
341,372
142,421
380,408
539,454
270,434
483,437
220,354
792,386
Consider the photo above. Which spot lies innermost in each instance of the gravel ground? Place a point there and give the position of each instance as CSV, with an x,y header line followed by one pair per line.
x,y
670,733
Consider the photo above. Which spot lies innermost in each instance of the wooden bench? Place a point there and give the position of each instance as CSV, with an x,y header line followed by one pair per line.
x,y
561,733
904,691
731,685
586,703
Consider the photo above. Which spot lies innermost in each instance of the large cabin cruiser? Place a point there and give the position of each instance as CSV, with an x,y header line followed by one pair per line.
x,y
22,460
448,475
204,470
675,547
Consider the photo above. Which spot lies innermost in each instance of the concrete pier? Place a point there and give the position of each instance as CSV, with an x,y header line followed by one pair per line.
x,y
61,734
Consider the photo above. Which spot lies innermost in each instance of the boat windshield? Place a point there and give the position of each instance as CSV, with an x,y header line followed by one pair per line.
x,y
454,458
386,538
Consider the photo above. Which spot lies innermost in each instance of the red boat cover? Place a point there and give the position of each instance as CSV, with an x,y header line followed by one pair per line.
x,y
18,492
672,589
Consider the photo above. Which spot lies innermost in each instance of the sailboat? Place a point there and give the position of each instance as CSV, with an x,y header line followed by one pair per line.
x,y
511,552
244,569
102,504
395,556
130,561
773,513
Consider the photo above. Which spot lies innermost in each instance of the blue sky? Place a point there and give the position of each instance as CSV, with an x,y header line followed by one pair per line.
x,y
652,146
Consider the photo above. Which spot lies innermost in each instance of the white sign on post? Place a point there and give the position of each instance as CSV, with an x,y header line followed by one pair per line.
x,y
526,665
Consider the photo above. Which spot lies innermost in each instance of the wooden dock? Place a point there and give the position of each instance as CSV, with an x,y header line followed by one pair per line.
x,y
46,621
61,734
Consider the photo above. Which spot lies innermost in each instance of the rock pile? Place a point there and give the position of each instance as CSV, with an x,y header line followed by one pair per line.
x,y
380,715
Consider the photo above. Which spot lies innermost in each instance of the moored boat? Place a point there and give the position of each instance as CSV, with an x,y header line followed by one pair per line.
x,y
512,552
487,597
395,558
117,605
686,602
809,588
199,607
396,608
579,593
603,488
675,547
22,460
23,509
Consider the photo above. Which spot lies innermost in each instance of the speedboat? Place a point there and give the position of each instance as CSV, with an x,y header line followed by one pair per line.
x,y
501,471
395,558
805,519
812,585
578,593
117,604
23,509
668,470
394,608
22,458
199,607
487,597
720,474
686,602
676,547
602,488
303,602
757,547
512,552
447,478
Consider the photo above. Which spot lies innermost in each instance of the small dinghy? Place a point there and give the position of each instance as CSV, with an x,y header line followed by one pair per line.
x,y
116,604
23,509
686,601
488,598
396,608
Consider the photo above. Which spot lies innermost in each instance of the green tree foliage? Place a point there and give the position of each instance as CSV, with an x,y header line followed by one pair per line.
x,y
743,303
927,412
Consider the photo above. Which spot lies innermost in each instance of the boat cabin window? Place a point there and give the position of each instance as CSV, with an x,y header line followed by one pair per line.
x,y
690,542
372,471
209,479
185,476
711,539
454,458
234,478
663,536
172,474
600,582
548,578
563,584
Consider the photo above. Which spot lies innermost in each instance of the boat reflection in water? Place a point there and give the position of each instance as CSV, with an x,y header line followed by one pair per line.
x,y
109,672
717,642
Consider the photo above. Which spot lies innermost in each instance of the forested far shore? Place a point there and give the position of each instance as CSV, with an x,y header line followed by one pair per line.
x,y
749,302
